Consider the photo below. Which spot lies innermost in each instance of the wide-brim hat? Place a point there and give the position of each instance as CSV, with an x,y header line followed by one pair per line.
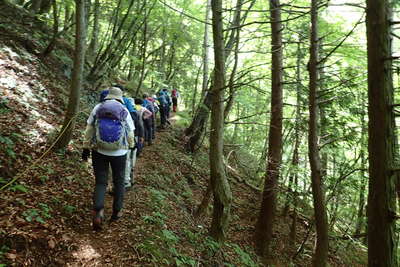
x,y
114,93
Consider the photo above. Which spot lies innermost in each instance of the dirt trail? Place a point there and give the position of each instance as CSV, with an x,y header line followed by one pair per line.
x,y
116,244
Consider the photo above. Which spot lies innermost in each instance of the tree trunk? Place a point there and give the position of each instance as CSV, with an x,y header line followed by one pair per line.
x,y
45,6
143,57
263,232
363,180
76,83
295,162
231,84
35,6
321,222
198,125
201,209
220,185
94,42
295,159
53,40
382,195
205,51
194,96
67,15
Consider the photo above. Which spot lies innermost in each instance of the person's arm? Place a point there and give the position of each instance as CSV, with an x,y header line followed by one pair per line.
x,y
89,131
131,131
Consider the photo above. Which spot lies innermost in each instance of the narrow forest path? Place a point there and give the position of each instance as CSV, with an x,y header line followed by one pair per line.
x,y
118,243
49,222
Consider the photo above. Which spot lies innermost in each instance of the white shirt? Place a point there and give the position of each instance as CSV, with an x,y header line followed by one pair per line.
x,y
131,127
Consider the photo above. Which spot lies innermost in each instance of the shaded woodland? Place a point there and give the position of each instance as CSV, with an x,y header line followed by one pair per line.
x,y
285,143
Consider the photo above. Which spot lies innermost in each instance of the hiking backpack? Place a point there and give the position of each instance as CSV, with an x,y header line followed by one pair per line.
x,y
111,126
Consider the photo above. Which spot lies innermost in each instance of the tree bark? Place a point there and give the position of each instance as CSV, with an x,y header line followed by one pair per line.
x,y
264,226
201,209
76,83
231,84
67,15
206,50
220,185
143,57
53,40
295,161
45,6
321,221
363,180
94,42
198,125
381,142
35,6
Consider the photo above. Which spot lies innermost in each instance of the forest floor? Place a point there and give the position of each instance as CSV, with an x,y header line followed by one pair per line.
x,y
45,215
50,223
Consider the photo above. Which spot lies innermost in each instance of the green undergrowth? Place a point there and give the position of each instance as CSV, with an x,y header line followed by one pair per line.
x,y
174,190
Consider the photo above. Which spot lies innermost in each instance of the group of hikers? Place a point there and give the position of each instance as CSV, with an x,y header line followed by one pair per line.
x,y
117,129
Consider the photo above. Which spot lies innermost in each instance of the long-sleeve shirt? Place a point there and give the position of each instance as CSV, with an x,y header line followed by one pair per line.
x,y
90,131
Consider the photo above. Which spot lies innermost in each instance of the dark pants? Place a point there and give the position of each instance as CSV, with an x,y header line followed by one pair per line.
x,y
167,110
153,126
174,103
101,165
163,116
148,135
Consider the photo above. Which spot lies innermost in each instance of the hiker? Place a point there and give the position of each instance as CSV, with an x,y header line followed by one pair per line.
x,y
110,134
144,118
131,155
156,106
175,96
150,122
168,107
163,109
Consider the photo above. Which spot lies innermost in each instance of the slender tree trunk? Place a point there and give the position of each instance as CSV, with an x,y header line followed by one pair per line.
x,y
231,84
94,42
264,227
220,185
363,179
67,15
88,7
53,40
143,57
201,209
198,125
321,221
382,196
292,188
194,96
206,50
35,6
76,83
293,227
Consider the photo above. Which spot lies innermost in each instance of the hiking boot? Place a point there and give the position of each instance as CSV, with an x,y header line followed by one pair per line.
x,y
116,216
128,188
98,217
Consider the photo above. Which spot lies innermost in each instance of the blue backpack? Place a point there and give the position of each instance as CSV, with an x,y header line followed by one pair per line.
x,y
111,126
